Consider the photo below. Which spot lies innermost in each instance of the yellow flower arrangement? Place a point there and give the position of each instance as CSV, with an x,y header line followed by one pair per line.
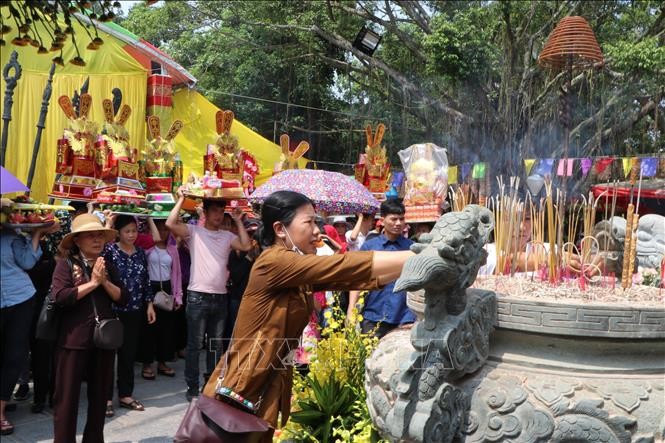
x,y
339,360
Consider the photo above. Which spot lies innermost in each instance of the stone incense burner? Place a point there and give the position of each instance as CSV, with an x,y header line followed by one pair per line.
x,y
485,367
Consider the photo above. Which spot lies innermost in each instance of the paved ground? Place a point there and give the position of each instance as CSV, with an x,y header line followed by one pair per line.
x,y
163,398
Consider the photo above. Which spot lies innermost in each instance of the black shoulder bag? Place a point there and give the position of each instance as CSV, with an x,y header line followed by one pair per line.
x,y
48,322
108,332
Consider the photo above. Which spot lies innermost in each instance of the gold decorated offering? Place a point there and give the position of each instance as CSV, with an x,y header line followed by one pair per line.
x,y
289,159
373,168
426,169
81,133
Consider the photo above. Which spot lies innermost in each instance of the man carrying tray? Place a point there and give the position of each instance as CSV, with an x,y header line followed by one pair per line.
x,y
207,301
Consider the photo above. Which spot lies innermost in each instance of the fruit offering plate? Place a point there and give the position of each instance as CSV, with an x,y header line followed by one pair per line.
x,y
127,209
40,207
28,226
133,214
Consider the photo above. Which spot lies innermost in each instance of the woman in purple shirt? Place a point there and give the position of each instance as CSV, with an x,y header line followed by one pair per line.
x,y
132,264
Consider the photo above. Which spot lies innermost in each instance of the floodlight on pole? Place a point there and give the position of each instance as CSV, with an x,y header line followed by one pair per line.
x,y
367,41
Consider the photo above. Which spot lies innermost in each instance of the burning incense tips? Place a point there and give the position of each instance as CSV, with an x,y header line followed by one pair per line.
x,y
551,230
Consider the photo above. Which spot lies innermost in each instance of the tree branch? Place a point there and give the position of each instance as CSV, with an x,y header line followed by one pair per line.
x,y
396,76
417,14
622,126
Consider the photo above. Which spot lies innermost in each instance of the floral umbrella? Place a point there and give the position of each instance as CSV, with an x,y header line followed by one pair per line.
x,y
331,191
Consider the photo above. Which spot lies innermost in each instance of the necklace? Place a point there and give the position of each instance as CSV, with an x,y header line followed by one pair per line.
x,y
87,260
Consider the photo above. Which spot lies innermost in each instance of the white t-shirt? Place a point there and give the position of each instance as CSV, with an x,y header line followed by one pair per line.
x,y
159,264
210,254
354,245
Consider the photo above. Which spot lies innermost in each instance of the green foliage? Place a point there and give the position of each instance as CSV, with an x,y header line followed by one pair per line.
x,y
644,58
461,74
460,47
332,400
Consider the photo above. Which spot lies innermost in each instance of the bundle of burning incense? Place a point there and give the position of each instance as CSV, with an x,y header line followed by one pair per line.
x,y
508,214
589,222
461,197
628,257
552,229
537,232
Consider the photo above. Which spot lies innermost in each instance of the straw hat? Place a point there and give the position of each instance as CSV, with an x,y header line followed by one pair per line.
x,y
86,223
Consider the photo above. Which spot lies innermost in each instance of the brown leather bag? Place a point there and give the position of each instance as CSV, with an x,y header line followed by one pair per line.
x,y
212,421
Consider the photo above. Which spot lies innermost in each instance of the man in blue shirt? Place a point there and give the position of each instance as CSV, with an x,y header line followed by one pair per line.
x,y
384,309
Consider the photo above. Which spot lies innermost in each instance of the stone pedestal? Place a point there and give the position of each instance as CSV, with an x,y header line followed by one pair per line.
x,y
555,372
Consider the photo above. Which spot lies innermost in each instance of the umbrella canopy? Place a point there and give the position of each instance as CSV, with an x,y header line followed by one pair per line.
x,y
9,183
331,191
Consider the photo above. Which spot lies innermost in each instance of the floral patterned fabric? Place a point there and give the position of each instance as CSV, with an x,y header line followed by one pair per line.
x,y
331,191
133,270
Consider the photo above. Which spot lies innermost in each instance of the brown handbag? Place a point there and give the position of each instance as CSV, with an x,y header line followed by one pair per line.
x,y
208,420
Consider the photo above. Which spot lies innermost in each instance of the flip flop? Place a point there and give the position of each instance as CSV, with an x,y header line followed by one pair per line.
x,y
6,427
169,372
134,405
109,411
148,374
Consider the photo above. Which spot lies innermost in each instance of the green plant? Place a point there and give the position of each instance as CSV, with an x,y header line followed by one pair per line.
x,y
329,404
331,400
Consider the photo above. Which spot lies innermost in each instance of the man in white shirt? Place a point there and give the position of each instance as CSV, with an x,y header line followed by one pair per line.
x,y
207,301
356,237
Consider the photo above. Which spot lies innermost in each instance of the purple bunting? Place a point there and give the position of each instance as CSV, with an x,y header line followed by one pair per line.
x,y
544,167
465,169
649,167
585,165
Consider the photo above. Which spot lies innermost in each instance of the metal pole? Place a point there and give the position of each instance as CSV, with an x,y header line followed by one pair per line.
x,y
9,100
46,98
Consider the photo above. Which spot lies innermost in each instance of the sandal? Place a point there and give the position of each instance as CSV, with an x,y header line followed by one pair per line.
x,y
148,374
134,405
6,427
166,370
109,410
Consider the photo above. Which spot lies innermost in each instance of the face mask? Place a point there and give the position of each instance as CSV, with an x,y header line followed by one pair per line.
x,y
294,248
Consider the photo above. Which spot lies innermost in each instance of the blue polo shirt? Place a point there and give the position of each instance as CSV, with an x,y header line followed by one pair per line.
x,y
384,304
16,257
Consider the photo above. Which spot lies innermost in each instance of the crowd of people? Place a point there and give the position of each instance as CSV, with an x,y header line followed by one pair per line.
x,y
222,279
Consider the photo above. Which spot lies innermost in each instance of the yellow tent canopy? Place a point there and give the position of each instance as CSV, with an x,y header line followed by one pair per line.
x,y
122,62
198,117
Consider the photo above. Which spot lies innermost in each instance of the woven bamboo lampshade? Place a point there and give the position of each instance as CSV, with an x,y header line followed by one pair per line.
x,y
572,44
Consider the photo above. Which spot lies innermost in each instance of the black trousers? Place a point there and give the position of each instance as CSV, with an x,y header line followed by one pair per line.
x,y
71,365
15,338
132,323
158,339
41,359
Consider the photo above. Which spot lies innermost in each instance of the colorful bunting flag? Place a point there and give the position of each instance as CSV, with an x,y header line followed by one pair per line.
x,y
452,175
528,164
627,163
649,166
565,167
585,165
603,163
466,168
478,171
544,167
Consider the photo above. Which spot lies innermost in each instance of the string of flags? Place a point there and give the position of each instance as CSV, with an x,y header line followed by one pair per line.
x,y
649,167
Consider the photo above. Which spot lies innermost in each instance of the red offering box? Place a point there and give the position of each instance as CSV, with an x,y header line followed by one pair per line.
x,y
158,185
421,213
128,170
83,166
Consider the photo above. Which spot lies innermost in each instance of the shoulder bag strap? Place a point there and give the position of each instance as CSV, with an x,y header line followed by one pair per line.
x,y
159,257
84,268
222,373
